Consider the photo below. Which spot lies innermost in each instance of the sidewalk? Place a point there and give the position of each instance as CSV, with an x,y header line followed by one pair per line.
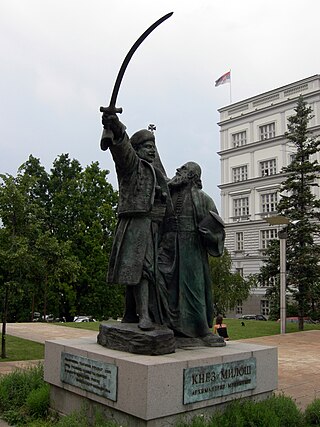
x,y
298,364
298,356
41,332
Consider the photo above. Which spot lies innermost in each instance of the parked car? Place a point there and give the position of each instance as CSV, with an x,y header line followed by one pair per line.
x,y
253,317
261,317
49,318
36,316
84,319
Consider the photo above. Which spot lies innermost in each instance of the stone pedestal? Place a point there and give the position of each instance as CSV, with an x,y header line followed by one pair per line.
x,y
153,391
129,338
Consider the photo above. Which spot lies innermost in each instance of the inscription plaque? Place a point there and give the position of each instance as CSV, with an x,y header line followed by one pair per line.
x,y
209,382
91,375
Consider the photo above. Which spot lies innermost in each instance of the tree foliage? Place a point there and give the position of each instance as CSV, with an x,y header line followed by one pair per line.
x,y
228,288
55,239
299,204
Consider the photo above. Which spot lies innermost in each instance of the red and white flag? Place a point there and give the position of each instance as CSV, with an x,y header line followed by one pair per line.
x,y
225,78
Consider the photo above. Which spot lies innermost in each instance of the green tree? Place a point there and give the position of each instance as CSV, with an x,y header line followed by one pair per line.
x,y
55,271
14,255
269,276
83,209
228,288
65,208
31,258
94,241
63,223
17,219
299,204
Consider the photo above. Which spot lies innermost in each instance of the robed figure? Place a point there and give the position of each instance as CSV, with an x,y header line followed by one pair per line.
x,y
189,235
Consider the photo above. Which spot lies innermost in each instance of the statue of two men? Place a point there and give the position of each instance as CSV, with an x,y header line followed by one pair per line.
x,y
165,230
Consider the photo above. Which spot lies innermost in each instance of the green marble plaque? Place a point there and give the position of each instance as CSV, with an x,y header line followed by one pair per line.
x,y
91,375
209,382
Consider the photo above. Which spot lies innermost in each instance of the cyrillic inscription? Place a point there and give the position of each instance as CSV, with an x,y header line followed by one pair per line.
x,y
90,375
209,382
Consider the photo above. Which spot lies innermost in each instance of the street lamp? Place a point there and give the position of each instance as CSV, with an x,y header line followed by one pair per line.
x,y
281,220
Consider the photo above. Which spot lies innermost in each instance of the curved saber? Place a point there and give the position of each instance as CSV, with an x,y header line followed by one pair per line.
x,y
107,135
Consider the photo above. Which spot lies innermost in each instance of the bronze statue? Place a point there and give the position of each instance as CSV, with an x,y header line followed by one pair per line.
x,y
143,200
165,231
142,203
162,240
194,230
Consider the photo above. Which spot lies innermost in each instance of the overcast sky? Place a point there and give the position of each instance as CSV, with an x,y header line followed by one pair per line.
x,y
59,60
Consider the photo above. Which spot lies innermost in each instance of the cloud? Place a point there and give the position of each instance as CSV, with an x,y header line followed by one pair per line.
x,y
59,60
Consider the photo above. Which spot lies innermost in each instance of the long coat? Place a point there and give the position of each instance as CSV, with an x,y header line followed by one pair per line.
x,y
183,263
138,211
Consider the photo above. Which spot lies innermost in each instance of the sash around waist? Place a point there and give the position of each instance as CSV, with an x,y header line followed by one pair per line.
x,y
180,223
155,214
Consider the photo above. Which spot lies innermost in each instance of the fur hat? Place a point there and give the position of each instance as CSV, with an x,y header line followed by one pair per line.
x,y
141,136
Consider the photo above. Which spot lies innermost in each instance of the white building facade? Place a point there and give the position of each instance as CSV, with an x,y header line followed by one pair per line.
x,y
253,151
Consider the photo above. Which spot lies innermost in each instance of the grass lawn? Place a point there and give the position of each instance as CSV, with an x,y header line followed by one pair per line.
x,y
21,349
260,328
91,326
252,328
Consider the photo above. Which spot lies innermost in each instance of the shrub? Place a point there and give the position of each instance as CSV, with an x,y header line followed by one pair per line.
x,y
79,419
248,414
12,416
73,420
312,413
199,421
15,387
41,423
277,411
285,409
37,402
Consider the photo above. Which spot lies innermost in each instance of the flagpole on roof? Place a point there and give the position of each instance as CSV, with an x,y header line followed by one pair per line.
x,y
225,78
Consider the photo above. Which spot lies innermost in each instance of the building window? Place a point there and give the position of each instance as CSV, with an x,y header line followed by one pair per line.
x,y
241,207
269,202
239,270
239,241
272,281
267,236
264,306
267,131
240,173
239,307
292,158
268,167
239,138
267,283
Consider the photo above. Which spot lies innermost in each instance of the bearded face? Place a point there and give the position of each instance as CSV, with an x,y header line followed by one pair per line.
x,y
189,173
180,179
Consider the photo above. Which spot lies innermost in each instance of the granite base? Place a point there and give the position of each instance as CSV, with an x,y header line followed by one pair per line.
x,y
150,391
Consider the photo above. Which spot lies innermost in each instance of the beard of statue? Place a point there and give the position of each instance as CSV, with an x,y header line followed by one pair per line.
x,y
177,182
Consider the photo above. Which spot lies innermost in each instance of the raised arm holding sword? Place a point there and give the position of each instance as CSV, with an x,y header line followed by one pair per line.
x,y
143,200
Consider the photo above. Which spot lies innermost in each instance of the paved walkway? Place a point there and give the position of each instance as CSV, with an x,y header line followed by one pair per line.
x,y
298,364
298,356
41,332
